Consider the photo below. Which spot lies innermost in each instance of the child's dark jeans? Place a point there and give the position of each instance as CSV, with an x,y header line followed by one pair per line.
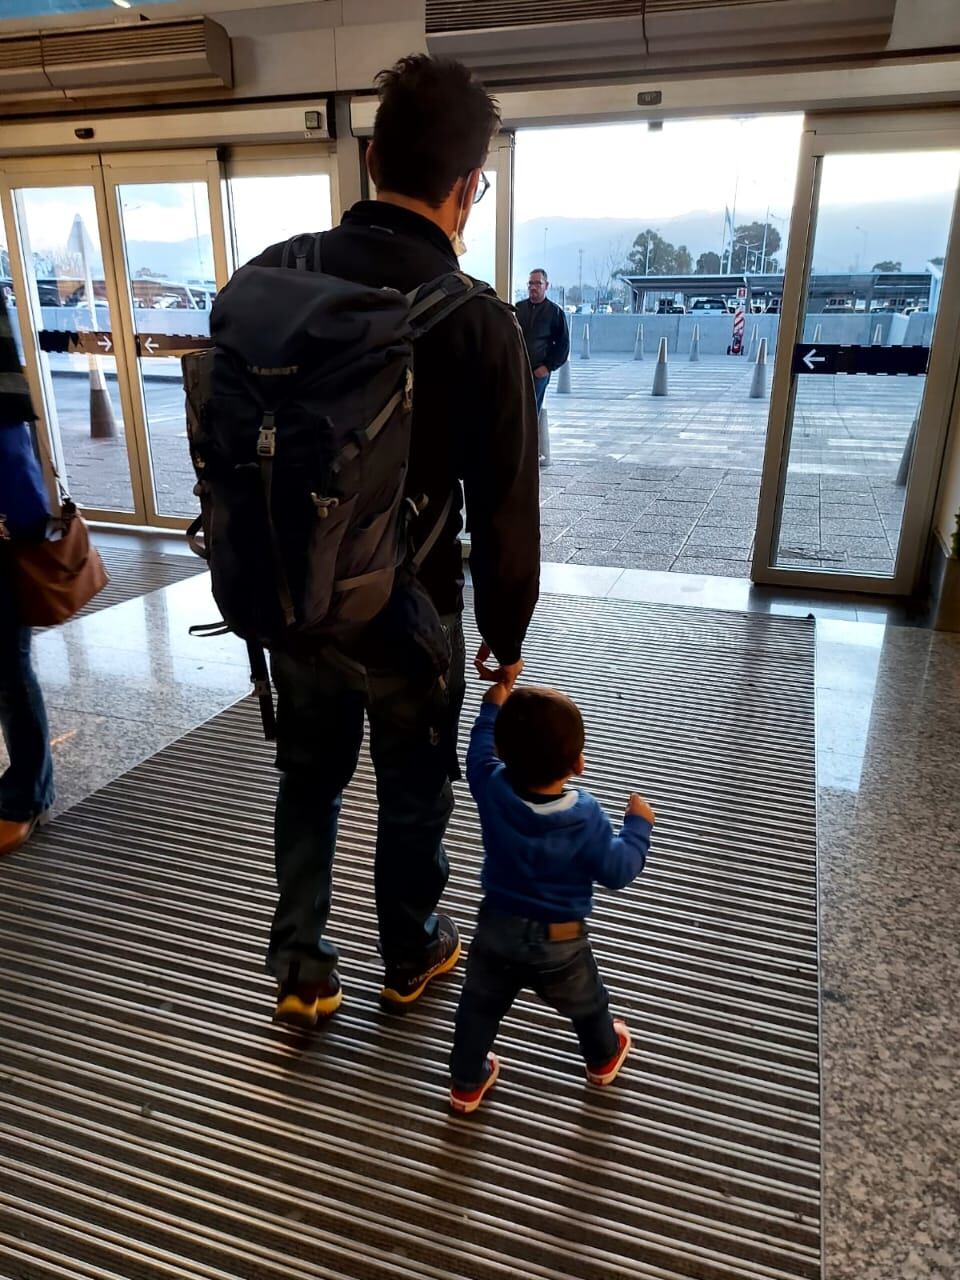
x,y
509,953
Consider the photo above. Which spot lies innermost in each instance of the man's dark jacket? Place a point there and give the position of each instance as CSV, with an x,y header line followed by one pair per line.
x,y
545,332
474,421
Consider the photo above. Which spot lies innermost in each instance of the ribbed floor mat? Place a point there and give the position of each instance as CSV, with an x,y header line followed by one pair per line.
x,y
155,1124
133,573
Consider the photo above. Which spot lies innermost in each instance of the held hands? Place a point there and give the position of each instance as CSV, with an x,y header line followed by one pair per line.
x,y
638,807
504,677
541,371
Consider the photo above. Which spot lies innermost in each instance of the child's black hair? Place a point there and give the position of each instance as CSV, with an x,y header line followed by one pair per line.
x,y
539,736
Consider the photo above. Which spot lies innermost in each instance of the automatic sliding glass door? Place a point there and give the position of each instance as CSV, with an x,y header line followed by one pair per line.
x,y
113,265
62,295
867,359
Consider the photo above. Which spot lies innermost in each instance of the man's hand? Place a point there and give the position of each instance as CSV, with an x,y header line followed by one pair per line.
x,y
506,675
638,807
541,371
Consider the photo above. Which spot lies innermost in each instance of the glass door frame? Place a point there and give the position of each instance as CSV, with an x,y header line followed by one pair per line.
x,y
500,161
277,160
105,173
861,134
63,172
141,168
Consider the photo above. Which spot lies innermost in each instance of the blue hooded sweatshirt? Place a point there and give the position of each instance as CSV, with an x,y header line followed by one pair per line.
x,y
542,860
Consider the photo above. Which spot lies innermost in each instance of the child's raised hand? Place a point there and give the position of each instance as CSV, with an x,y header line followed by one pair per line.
x,y
501,691
639,807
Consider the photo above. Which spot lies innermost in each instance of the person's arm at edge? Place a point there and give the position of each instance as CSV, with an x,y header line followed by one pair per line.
x,y
501,481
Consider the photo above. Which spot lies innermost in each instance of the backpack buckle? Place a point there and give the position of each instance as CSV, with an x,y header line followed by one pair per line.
x,y
267,439
324,505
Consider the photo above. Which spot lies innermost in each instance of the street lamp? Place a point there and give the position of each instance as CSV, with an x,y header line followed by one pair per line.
x,y
864,234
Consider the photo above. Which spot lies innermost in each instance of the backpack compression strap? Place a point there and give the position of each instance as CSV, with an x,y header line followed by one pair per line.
x,y
433,302
304,251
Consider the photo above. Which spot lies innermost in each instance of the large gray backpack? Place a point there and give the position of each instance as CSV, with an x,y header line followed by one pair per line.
x,y
299,418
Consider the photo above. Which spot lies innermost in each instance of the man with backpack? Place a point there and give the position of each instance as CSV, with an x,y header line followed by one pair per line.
x,y
360,635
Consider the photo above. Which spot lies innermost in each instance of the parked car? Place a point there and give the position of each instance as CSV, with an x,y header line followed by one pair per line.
x,y
773,307
838,304
667,308
709,306
914,311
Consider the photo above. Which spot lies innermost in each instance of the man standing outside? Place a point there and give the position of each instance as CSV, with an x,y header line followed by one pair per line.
x,y
544,328
430,141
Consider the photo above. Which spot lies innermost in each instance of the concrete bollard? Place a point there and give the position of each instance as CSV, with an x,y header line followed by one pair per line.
x,y
638,344
585,343
906,458
878,336
695,345
103,425
752,347
818,333
543,433
563,380
660,373
758,385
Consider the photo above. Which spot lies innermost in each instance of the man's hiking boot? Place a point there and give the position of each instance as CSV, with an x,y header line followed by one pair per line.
x,y
467,1100
403,985
303,1004
607,1072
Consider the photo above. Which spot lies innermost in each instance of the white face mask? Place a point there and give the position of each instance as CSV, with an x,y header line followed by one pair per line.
x,y
457,240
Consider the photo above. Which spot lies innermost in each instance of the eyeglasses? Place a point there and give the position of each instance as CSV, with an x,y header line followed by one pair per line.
x,y
483,186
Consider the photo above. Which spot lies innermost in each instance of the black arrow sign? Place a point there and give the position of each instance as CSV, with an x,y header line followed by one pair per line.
x,y
819,357
169,344
69,341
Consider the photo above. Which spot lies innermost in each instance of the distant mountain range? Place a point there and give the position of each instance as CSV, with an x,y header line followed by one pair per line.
x,y
906,231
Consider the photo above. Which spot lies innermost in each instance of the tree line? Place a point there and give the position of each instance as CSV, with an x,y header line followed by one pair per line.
x,y
753,248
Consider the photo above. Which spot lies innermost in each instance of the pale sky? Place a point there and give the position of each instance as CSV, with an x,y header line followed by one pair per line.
x,y
625,171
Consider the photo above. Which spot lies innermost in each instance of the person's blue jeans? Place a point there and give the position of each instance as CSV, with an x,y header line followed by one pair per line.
x,y
508,954
540,390
321,703
26,788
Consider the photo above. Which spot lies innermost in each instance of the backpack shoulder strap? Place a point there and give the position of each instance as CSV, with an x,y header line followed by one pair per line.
x,y
436,300
304,252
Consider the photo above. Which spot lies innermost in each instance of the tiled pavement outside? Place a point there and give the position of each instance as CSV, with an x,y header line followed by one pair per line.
x,y
638,481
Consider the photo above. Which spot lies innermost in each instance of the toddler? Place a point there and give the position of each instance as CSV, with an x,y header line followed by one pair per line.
x,y
545,844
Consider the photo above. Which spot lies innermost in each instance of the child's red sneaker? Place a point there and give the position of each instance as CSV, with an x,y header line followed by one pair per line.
x,y
607,1072
467,1100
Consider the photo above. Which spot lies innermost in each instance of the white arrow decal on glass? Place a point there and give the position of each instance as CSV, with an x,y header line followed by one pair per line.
x,y
150,345
104,341
811,358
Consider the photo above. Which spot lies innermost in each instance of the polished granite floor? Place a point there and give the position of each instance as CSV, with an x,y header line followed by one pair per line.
x,y
124,682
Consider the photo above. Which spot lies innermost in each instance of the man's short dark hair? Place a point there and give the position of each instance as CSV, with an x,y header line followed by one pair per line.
x,y
434,125
539,736
540,271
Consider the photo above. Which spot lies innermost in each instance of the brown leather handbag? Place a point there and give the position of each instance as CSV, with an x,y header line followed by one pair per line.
x,y
55,578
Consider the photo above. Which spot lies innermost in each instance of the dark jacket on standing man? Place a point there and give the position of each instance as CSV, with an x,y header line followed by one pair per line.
x,y
544,328
474,421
